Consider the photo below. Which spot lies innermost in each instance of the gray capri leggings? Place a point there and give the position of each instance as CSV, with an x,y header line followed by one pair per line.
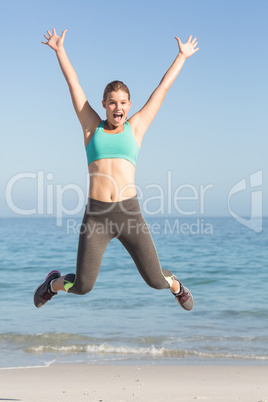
x,y
102,222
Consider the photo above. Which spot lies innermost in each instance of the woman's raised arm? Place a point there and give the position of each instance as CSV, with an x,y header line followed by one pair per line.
x,y
142,119
87,116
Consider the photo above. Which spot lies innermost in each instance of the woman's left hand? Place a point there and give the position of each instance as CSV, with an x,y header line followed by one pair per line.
x,y
189,48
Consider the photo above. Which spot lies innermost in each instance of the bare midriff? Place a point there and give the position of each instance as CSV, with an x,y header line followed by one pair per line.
x,y
111,180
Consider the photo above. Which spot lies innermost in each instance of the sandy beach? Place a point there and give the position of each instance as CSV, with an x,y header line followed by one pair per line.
x,y
147,383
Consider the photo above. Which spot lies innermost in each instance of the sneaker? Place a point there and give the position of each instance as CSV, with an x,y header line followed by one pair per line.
x,y
43,293
184,298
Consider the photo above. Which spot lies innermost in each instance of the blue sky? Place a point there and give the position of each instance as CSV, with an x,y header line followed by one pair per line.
x,y
210,131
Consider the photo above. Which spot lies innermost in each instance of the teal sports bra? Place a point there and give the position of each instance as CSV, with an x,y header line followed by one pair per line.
x,y
104,145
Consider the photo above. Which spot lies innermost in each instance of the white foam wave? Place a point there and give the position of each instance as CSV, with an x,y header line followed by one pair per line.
x,y
151,351
99,349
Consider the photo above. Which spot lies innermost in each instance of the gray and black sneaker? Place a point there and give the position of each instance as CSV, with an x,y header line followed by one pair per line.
x,y
44,293
184,298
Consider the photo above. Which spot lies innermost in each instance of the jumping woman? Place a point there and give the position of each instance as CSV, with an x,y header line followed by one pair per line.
x,y
113,210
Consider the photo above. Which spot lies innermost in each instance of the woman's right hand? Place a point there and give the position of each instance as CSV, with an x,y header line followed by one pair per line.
x,y
53,40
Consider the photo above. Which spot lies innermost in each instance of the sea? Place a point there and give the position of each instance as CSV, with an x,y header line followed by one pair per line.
x,y
122,320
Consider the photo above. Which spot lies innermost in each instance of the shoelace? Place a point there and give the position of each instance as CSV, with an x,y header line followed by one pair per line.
x,y
47,295
184,296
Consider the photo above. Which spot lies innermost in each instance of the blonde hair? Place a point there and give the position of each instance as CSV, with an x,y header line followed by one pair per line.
x,y
115,86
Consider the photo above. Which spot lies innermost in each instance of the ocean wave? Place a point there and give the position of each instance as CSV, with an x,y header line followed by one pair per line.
x,y
61,338
152,351
50,337
99,349
204,347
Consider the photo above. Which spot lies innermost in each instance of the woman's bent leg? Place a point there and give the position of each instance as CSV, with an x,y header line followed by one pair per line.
x,y
139,243
93,241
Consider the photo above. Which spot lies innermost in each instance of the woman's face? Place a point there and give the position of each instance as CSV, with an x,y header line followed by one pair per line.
x,y
117,106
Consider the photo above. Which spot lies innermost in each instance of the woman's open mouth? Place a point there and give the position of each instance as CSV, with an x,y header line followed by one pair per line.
x,y
118,117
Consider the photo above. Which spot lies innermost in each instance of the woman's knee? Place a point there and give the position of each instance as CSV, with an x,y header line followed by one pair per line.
x,y
157,283
80,290
83,289
78,287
